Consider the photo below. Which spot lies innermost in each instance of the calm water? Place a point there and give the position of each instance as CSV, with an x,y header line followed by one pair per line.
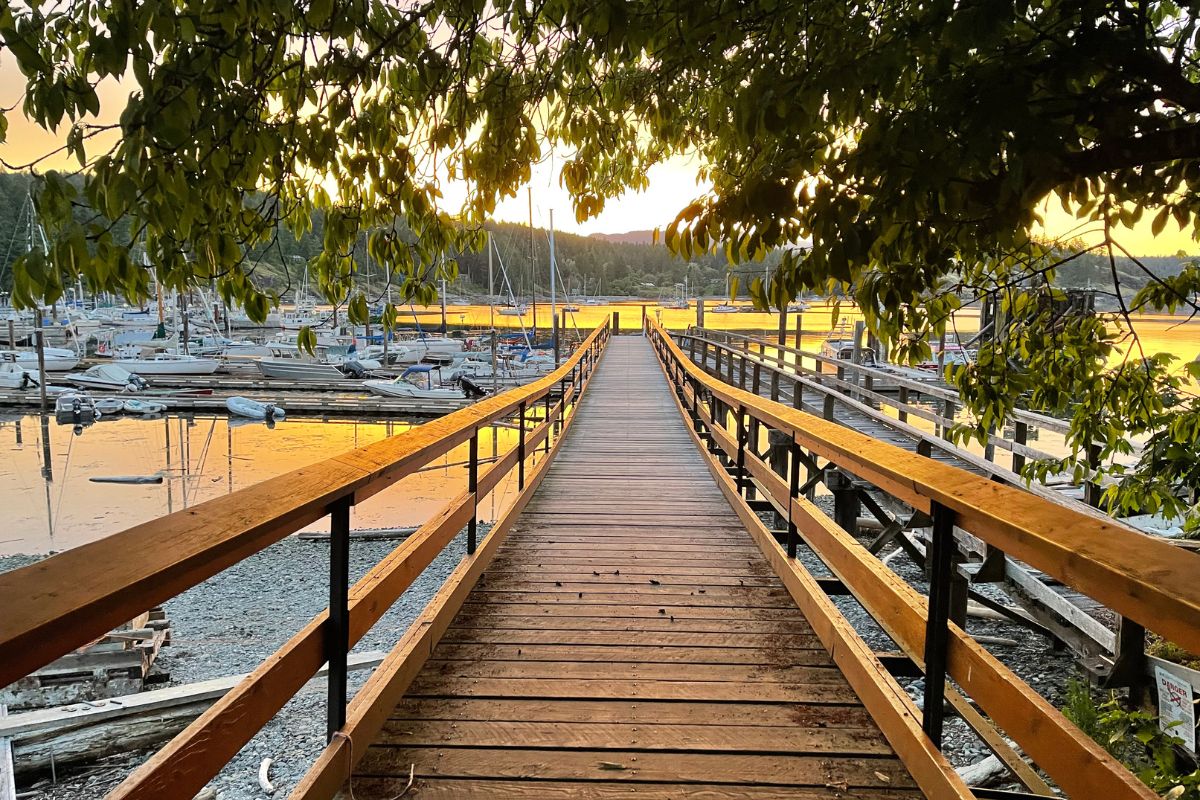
x,y
1159,333
199,458
50,504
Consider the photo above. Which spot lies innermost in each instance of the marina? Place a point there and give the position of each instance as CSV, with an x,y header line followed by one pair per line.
x,y
842,442
120,447
588,594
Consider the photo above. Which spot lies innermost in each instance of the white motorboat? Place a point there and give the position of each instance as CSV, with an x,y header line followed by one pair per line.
x,y
412,351
169,364
406,385
252,409
14,376
135,406
515,311
433,346
111,377
289,363
295,369
109,405
57,359
724,308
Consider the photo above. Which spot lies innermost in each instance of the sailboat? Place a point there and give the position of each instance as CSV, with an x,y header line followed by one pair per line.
x,y
304,314
56,359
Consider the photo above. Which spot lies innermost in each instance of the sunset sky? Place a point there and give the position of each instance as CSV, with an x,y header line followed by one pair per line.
x,y
672,185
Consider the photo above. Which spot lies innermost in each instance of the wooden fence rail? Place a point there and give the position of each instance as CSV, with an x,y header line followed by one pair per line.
x,y
736,363
71,598
1143,578
862,382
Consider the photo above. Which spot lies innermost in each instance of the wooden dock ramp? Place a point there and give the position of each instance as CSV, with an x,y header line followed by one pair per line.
x,y
630,640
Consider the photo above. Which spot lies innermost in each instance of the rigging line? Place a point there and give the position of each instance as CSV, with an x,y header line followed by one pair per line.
x,y
200,467
66,468
516,303
12,241
563,283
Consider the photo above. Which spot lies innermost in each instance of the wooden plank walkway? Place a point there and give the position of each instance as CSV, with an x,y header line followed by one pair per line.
x,y
630,640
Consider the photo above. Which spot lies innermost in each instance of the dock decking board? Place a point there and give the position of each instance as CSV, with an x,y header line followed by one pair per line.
x,y
630,639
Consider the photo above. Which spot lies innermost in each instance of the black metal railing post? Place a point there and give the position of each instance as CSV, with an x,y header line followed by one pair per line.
x,y
741,451
937,631
337,630
521,449
793,494
473,488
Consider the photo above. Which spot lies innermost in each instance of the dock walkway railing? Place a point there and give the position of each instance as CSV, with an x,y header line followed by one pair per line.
x,y
1143,578
860,385
75,597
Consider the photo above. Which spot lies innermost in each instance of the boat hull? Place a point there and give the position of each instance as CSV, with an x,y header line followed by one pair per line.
x,y
292,370
391,389
144,366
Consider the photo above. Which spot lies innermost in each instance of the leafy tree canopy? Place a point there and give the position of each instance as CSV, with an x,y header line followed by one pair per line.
x,y
912,142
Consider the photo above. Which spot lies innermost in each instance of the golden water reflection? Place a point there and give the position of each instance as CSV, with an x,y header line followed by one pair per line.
x,y
199,458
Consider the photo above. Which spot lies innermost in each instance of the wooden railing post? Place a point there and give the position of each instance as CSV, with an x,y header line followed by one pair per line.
x,y
337,630
937,631
1020,436
546,449
901,414
948,413
846,503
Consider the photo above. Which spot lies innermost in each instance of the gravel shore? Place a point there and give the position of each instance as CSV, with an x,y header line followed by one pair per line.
x,y
228,624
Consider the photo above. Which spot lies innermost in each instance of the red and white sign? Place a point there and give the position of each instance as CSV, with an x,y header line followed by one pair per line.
x,y
1176,709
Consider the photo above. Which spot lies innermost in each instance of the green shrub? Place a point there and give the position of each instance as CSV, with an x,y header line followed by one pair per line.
x,y
1133,738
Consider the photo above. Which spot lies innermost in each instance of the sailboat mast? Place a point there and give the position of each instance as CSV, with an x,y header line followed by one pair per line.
x,y
532,263
553,298
492,312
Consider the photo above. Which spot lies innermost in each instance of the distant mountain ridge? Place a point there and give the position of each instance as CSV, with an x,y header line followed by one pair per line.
x,y
629,237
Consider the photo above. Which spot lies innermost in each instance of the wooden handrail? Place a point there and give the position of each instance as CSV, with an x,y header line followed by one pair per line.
x,y
942,393
1146,579
1079,765
73,597
993,469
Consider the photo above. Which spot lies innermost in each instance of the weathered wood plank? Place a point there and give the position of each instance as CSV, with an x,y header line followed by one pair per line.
x,y
587,734
736,715
682,768
452,789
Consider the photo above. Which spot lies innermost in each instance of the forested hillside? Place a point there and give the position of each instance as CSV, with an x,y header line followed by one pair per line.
x,y
623,264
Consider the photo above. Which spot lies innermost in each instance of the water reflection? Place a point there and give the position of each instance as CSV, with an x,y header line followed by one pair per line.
x,y
51,503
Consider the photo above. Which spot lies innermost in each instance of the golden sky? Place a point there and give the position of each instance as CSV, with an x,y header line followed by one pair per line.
x,y
673,185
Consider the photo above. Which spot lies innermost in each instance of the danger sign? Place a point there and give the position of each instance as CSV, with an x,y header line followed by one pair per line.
x,y
1176,711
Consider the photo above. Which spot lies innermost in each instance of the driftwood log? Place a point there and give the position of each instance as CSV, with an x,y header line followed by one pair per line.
x,y
86,731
